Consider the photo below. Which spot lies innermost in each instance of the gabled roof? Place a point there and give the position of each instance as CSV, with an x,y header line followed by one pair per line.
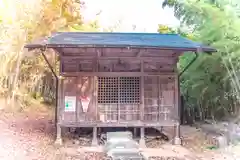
x,y
134,40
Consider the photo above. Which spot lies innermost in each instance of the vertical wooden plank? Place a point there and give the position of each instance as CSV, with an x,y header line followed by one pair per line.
x,y
176,97
118,105
59,111
69,89
142,93
60,99
77,113
61,64
95,81
95,93
60,102
159,97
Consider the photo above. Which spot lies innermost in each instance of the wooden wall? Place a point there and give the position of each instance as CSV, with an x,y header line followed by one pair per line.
x,y
154,72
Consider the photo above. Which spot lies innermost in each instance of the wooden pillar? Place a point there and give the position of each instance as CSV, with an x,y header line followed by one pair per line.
x,y
95,86
142,129
58,113
142,138
94,140
142,94
118,104
135,132
95,96
177,139
95,90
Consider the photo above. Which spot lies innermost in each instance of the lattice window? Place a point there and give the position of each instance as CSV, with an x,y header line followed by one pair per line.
x,y
119,90
108,90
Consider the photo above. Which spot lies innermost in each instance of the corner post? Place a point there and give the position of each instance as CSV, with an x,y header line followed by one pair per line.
x,y
142,129
58,140
58,111
177,140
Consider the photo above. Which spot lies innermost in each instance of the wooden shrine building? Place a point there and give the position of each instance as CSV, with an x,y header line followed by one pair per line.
x,y
118,79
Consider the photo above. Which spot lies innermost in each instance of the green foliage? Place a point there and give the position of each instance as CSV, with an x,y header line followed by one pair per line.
x,y
211,83
90,27
165,29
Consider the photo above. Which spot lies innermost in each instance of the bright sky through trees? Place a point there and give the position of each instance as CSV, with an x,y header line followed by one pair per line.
x,y
144,14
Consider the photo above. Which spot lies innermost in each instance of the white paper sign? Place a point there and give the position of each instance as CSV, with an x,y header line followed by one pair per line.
x,y
70,103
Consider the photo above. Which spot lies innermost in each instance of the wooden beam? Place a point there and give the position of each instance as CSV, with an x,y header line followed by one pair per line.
x,y
136,54
164,58
117,74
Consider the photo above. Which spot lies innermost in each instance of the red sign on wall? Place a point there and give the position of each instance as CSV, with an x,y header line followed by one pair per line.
x,y
85,102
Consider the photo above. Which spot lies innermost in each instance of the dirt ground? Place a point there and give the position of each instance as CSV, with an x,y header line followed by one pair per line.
x,y
30,136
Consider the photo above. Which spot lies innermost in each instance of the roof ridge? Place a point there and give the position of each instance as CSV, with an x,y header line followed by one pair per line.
x,y
137,33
